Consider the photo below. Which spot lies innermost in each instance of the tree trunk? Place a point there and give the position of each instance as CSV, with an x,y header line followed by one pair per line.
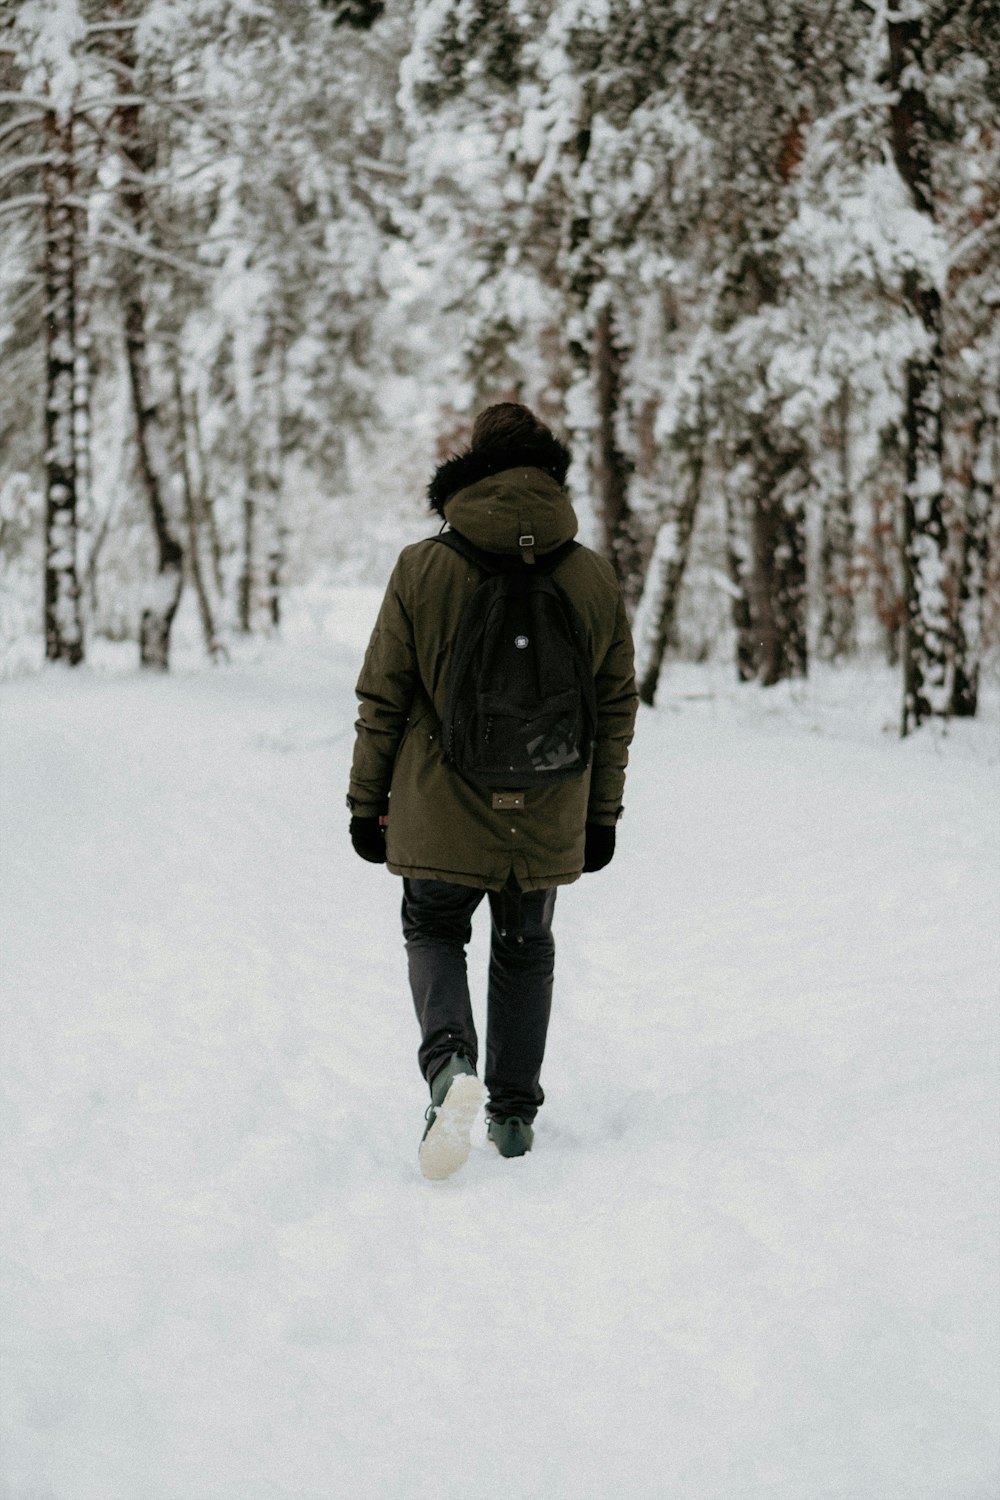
x,y
790,597
246,588
611,470
980,497
213,645
738,568
836,631
927,648
63,625
273,475
163,596
594,374
577,275
205,506
81,439
926,633
886,552
778,574
657,608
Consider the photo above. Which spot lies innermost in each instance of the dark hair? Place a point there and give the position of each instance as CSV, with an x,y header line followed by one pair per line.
x,y
507,422
505,436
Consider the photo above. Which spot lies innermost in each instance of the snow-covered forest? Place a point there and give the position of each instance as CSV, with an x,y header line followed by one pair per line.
x,y
261,264
264,259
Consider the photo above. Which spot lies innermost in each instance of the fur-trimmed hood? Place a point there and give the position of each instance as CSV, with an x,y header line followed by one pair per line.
x,y
465,469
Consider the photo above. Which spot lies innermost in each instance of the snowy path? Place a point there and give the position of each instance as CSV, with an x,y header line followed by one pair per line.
x,y
753,1256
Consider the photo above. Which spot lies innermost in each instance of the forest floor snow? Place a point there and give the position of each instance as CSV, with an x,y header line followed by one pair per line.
x,y
753,1255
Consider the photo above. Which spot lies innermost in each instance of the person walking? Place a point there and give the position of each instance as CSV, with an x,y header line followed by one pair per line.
x,y
418,808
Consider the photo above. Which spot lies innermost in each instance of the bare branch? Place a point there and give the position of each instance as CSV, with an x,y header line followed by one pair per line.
x,y
13,126
382,168
971,241
97,26
135,246
819,144
154,100
124,70
34,101
26,200
181,107
33,292
113,101
25,163
876,42
26,363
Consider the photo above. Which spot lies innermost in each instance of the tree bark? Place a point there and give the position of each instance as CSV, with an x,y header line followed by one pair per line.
x,y
654,620
790,586
886,552
980,498
611,469
213,645
273,475
778,575
164,594
594,379
836,631
205,506
263,532
927,647
738,568
82,439
63,624
246,588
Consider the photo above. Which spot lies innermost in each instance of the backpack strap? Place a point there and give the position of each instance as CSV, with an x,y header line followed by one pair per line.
x,y
502,562
549,561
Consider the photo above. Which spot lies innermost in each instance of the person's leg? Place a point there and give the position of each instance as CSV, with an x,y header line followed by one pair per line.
x,y
522,958
437,925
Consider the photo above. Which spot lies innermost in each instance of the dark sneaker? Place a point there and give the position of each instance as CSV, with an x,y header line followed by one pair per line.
x,y
456,1097
512,1136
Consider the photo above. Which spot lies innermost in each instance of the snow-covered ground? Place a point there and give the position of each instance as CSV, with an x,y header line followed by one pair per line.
x,y
754,1253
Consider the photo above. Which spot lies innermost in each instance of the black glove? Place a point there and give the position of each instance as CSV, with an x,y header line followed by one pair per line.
x,y
599,847
368,838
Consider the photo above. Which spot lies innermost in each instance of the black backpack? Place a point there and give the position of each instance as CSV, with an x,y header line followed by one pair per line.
x,y
520,708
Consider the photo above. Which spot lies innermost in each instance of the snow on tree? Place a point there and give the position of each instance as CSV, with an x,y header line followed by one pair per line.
x,y
40,124
745,259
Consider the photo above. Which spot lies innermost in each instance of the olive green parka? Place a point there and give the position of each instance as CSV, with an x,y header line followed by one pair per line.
x,y
440,826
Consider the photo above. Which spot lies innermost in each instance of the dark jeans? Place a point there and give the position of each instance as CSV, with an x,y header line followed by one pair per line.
x,y
437,925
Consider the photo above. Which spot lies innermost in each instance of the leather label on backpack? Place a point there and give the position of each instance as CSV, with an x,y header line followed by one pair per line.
x,y
507,801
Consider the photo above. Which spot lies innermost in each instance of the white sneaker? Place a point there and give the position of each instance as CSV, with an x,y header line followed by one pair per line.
x,y
446,1144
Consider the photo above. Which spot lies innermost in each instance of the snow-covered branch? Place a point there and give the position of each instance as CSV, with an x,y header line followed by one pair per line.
x,y
31,101
14,127
133,101
23,200
97,28
819,146
143,251
20,164
972,241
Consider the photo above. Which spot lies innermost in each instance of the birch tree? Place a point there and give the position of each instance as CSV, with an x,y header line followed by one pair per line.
x,y
926,645
38,128
63,623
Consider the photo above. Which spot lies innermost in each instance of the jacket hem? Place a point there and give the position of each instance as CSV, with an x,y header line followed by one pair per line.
x,y
483,882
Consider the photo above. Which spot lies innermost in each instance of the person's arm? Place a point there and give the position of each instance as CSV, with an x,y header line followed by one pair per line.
x,y
385,691
617,704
